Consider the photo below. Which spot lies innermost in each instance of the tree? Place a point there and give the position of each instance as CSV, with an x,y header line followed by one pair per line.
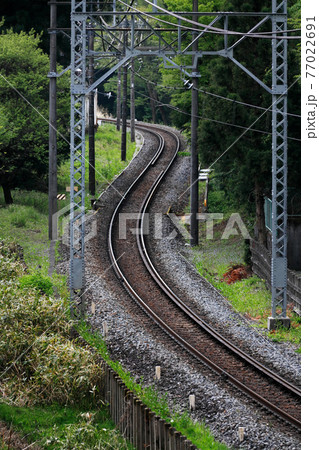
x,y
242,163
27,15
24,113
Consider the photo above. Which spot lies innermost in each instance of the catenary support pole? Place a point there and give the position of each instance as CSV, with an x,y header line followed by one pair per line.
x,y
279,168
91,115
79,53
118,101
194,150
52,127
124,115
132,101
124,102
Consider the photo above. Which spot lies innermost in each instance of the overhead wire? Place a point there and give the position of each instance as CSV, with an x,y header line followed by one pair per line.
x,y
216,30
208,28
213,95
223,31
175,108
128,8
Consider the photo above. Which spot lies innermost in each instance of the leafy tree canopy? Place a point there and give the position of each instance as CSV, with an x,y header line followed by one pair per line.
x,y
24,112
27,15
242,162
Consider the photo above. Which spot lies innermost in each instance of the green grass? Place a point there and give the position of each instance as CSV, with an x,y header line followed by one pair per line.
x,y
35,199
26,224
26,221
107,159
64,427
28,227
197,432
249,297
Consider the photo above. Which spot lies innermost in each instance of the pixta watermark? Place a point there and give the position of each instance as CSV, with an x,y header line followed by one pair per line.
x,y
137,224
61,224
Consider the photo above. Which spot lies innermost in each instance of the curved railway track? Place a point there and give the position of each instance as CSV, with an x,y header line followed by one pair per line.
x,y
133,266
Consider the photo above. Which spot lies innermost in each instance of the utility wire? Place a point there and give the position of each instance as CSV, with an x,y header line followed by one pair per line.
x,y
208,28
212,94
224,32
128,8
175,108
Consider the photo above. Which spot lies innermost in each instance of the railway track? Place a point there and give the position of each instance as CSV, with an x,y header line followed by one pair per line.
x,y
133,266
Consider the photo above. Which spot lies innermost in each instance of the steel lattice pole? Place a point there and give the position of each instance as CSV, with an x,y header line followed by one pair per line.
x,y
279,165
77,140
194,149
132,100
53,207
91,126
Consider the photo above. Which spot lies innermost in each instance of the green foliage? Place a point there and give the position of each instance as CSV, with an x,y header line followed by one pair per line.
x,y
24,111
242,161
28,15
21,216
38,200
38,281
217,201
40,364
28,227
64,427
108,162
18,219
250,297
84,435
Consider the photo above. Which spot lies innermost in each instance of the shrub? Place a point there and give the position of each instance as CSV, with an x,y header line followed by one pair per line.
x,y
65,371
217,201
18,219
38,281
38,361
86,434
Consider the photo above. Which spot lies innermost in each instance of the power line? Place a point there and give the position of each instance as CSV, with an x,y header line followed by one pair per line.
x,y
128,8
208,28
213,95
224,32
243,103
175,108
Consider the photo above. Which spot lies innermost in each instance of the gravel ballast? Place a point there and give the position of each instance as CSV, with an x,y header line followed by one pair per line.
x,y
140,345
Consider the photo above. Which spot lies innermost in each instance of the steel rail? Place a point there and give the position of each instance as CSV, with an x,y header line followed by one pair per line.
x,y
177,301
159,280
155,157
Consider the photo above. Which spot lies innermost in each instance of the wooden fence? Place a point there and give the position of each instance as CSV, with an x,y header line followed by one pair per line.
x,y
135,421
261,265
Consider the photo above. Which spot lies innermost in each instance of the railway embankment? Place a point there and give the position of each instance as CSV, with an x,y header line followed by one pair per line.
x,y
140,347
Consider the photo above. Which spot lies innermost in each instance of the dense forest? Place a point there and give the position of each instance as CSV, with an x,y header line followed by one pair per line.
x,y
229,100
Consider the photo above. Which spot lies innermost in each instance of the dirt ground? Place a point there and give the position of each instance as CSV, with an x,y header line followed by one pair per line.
x,y
10,439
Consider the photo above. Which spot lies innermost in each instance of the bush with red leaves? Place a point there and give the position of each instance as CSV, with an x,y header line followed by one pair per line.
x,y
235,273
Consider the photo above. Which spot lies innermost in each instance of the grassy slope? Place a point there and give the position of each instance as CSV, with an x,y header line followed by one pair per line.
x,y
26,223
249,297
107,159
66,427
